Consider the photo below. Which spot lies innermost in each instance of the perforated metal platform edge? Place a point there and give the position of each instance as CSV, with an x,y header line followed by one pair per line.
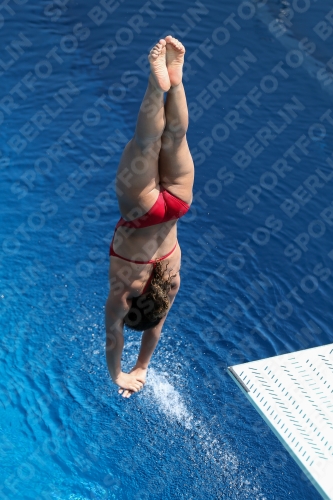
x,y
280,379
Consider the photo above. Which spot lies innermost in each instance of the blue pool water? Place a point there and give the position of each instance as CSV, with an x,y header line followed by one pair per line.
x,y
257,244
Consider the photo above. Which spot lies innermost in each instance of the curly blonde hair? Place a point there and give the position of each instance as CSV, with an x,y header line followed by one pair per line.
x,y
149,308
159,290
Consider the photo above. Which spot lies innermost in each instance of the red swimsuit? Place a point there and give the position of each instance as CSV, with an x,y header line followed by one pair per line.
x,y
167,207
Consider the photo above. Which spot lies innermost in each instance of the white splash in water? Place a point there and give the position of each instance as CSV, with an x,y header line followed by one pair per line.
x,y
226,462
170,401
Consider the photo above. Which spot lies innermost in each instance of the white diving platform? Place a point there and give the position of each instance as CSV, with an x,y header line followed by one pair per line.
x,y
294,395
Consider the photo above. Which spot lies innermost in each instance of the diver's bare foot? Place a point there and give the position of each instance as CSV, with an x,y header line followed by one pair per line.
x,y
158,67
175,51
141,374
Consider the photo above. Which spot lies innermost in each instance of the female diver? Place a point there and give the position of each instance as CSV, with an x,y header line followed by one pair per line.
x,y
154,189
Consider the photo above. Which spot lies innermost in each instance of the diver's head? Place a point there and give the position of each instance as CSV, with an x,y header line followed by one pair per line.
x,y
141,315
148,309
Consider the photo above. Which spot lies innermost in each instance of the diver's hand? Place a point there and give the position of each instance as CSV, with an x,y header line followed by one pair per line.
x,y
140,373
129,381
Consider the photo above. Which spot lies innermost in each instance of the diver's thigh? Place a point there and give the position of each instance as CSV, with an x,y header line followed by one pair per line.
x,y
137,179
176,169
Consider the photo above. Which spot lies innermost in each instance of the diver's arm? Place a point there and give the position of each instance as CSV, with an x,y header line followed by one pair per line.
x,y
114,338
115,311
149,342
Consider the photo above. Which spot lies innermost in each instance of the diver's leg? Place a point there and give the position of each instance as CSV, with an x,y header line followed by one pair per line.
x,y
176,168
137,178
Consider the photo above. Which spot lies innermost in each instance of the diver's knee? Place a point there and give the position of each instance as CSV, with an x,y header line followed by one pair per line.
x,y
146,147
